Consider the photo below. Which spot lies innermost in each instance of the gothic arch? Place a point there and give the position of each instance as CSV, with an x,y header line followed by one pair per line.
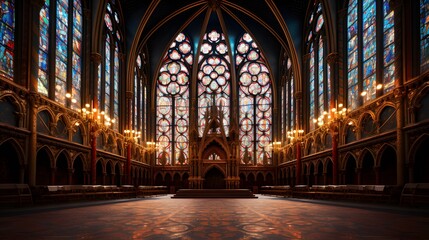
x,y
207,146
363,154
18,149
379,153
214,166
49,153
66,154
415,146
18,104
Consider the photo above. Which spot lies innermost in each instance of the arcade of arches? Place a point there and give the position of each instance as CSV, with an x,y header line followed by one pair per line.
x,y
214,93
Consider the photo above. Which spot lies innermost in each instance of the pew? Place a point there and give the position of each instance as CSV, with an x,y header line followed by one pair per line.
x,y
15,195
415,194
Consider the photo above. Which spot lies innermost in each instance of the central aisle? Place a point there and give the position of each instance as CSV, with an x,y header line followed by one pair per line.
x,y
166,218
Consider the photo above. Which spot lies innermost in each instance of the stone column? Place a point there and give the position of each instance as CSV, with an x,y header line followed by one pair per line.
x,y
399,91
36,6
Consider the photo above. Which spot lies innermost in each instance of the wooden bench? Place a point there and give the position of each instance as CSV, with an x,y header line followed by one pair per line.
x,y
53,193
284,191
415,194
143,191
15,195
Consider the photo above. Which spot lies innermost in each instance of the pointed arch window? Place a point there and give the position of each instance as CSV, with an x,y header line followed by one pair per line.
x,y
7,38
139,101
287,99
172,103
63,82
214,76
255,102
364,63
424,35
319,83
108,89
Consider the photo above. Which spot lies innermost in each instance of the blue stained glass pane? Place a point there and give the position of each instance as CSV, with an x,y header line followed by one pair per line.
x,y
7,25
369,49
352,77
352,44
352,30
389,20
367,3
352,61
369,86
62,31
44,41
369,33
369,67
389,36
61,50
42,83
76,62
353,97
60,69
389,54
352,16
389,78
8,9
43,61
424,54
369,15
62,13
424,34
60,91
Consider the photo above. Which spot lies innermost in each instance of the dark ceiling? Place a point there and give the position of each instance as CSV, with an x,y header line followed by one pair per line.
x,y
154,24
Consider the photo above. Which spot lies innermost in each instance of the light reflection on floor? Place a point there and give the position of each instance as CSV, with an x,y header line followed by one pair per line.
x,y
262,218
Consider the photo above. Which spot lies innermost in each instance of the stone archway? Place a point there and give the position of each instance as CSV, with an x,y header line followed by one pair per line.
x,y
214,179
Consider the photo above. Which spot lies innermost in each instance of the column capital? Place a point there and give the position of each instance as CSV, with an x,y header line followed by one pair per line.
x,y
95,57
306,57
333,58
298,95
395,4
37,3
129,94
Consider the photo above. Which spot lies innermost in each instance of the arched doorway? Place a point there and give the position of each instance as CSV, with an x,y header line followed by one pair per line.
x,y
9,164
421,163
214,179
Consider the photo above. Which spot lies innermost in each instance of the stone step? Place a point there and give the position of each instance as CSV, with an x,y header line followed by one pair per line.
x,y
214,193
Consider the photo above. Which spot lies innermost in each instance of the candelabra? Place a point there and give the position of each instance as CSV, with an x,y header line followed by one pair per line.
x,y
151,147
295,135
97,121
329,121
132,136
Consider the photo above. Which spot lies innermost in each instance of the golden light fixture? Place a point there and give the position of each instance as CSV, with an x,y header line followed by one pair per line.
x,y
295,135
335,115
132,135
99,119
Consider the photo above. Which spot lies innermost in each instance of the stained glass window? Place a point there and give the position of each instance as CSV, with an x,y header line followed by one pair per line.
x,y
352,53
108,94
214,78
43,81
172,108
255,102
424,35
7,38
287,102
68,39
77,55
139,100
362,47
318,83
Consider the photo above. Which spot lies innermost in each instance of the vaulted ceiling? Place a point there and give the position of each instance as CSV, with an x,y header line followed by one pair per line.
x,y
275,25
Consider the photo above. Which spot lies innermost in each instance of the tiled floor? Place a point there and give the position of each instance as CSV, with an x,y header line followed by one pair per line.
x,y
262,218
